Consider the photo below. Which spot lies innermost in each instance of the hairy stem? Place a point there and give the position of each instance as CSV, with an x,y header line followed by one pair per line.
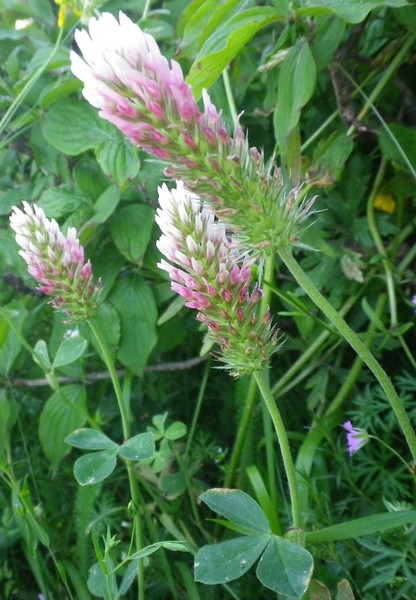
x,y
283,441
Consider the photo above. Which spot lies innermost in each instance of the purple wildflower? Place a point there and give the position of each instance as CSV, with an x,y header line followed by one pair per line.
x,y
144,95
356,437
55,261
208,270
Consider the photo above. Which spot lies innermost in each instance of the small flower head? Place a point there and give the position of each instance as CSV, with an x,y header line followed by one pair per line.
x,y
56,262
208,270
356,437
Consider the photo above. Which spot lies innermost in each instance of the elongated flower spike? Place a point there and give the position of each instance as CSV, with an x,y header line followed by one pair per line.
x,y
207,269
137,89
56,262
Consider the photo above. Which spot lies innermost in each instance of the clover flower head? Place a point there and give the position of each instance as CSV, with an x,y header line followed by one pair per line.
x,y
210,272
56,262
356,437
146,97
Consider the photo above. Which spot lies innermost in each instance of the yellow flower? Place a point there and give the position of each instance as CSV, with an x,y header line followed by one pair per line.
x,y
62,12
76,6
384,202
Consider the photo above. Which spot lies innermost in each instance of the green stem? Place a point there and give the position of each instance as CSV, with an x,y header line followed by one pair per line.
x,y
282,438
197,410
391,292
355,342
146,9
242,432
267,422
270,449
396,454
230,97
125,422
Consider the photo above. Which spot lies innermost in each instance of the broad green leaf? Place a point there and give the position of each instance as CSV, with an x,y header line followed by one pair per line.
x,y
57,90
90,439
131,229
175,431
285,568
63,412
73,127
173,485
329,158
118,159
364,526
327,37
129,577
159,421
220,563
225,43
104,207
172,310
69,351
201,18
96,581
296,85
135,305
95,466
139,447
42,355
89,179
61,201
107,264
238,507
350,10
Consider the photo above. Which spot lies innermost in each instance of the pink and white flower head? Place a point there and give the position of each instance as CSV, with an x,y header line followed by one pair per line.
x,y
135,87
144,95
209,271
55,261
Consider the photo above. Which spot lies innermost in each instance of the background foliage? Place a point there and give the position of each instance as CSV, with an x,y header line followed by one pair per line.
x,y
329,87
